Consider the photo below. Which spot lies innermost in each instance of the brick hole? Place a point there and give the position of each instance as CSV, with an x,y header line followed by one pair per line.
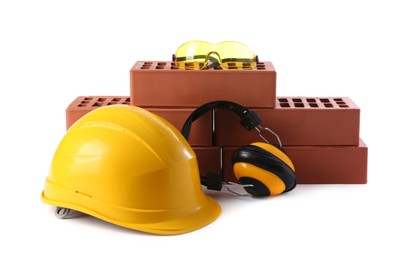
x,y
283,100
297,100
116,99
324,100
124,101
83,103
338,99
162,63
218,68
97,104
313,105
101,99
159,67
311,100
110,103
284,104
233,67
328,105
146,65
189,64
343,106
88,98
246,66
260,68
297,104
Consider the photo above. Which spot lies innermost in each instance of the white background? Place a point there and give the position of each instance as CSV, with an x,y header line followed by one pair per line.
x,y
53,51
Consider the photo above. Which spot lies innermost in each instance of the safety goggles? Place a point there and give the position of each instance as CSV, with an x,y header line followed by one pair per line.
x,y
230,55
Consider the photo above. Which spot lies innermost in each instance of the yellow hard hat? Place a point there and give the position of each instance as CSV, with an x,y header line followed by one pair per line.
x,y
132,168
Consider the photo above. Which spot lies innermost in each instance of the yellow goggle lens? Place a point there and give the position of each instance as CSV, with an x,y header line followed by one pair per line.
x,y
229,55
235,55
193,55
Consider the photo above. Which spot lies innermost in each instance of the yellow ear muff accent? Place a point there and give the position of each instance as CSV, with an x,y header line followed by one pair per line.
x,y
277,152
269,179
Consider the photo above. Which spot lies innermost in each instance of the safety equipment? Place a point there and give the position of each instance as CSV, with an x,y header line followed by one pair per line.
x,y
132,168
230,55
261,168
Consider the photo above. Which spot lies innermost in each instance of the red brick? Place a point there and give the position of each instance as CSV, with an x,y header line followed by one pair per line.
x,y
209,159
201,133
84,104
298,121
162,84
318,164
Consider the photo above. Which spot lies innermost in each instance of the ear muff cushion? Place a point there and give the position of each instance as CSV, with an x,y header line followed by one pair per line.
x,y
268,161
264,183
258,189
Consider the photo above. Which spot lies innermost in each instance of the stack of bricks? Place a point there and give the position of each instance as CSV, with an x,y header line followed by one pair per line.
x,y
320,134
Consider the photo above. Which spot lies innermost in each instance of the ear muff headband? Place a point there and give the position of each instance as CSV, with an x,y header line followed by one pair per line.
x,y
249,119
259,157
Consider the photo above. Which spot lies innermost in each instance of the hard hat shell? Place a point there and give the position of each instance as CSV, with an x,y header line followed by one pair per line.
x,y
132,168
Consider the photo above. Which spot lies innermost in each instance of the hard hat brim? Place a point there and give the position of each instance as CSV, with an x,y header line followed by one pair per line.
x,y
208,211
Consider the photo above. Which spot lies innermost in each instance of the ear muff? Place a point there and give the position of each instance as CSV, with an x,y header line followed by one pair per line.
x,y
267,169
262,169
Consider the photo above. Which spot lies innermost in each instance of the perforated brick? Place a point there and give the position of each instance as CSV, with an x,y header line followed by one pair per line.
x,y
298,121
84,104
314,163
162,84
201,132
318,164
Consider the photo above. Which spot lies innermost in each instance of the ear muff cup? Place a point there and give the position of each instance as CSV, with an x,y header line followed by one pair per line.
x,y
266,167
